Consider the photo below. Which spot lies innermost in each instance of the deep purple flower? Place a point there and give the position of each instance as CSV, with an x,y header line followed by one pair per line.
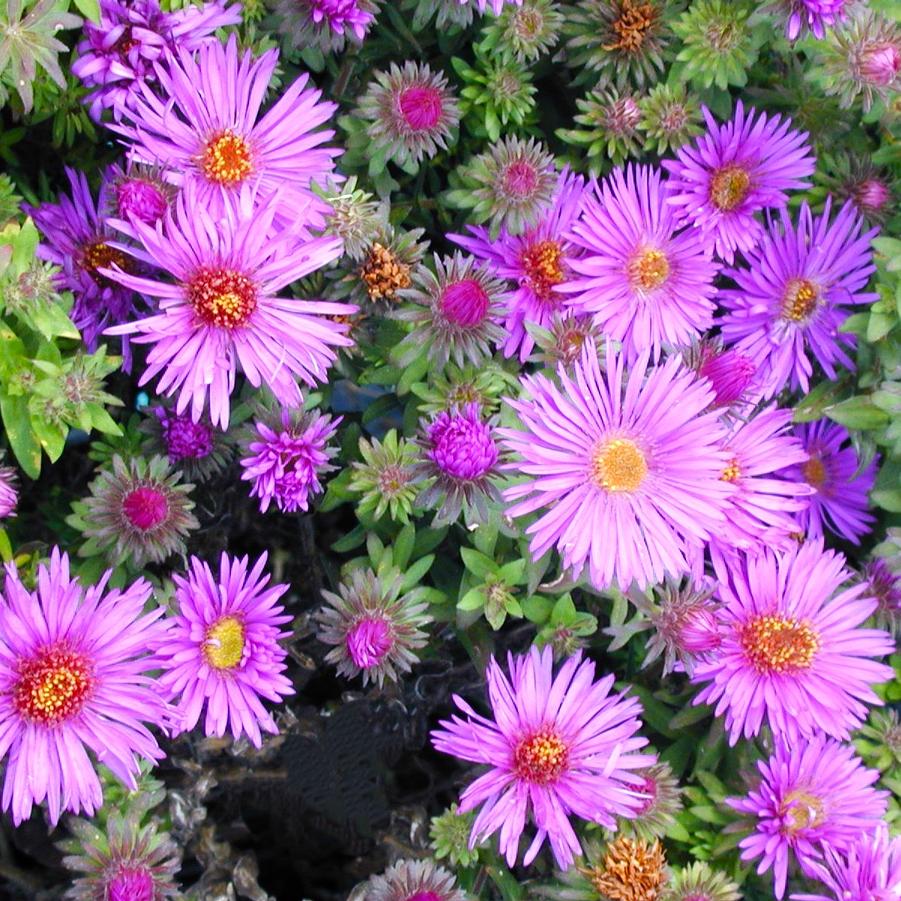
x,y
812,793
628,480
285,460
117,55
558,746
223,309
77,240
325,24
814,16
74,676
205,127
222,651
537,261
647,284
840,501
745,165
792,296
793,653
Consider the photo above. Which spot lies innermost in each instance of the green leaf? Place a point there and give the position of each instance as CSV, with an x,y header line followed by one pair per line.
x,y
472,600
90,9
403,545
858,413
477,563
414,575
17,425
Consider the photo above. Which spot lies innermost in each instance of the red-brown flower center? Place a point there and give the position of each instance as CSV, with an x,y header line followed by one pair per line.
x,y
99,255
777,644
814,472
541,758
53,686
222,297
729,187
541,263
226,158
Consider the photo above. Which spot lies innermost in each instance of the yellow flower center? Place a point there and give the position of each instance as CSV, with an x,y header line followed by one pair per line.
x,y
648,269
540,758
222,297
53,686
618,465
223,646
800,300
777,644
226,159
541,263
732,472
801,810
729,187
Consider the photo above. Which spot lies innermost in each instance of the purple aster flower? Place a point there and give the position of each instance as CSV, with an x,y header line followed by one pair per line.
x,y
793,653
841,483
646,283
558,746
868,868
74,677
222,651
537,261
814,16
137,191
9,495
204,127
732,375
812,793
224,310
721,180
285,461
790,299
77,240
326,24
375,624
885,586
117,55
196,448
627,479
461,457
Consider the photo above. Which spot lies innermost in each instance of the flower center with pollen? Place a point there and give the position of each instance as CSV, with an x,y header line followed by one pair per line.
x,y
223,646
540,758
814,472
732,472
729,187
632,25
800,300
222,297
777,645
801,811
648,269
618,465
53,686
225,159
541,264
99,255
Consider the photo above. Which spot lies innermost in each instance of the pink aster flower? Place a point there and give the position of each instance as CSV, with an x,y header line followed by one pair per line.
x,y
74,677
204,126
646,283
558,746
721,180
285,462
222,651
326,24
628,480
791,299
117,55
223,308
793,652
842,485
812,793
868,868
814,16
537,261
731,374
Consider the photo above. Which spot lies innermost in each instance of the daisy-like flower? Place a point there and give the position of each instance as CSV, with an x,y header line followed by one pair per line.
x,y
126,861
841,483
868,867
557,746
204,126
627,479
196,448
792,297
374,625
137,511
461,457
537,261
455,313
286,459
412,880
222,650
745,165
812,792
74,677
411,113
117,54
326,24
646,283
814,16
224,310
793,653
78,241
9,494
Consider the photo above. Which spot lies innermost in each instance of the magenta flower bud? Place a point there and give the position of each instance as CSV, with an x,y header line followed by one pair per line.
x,y
369,641
131,885
142,199
700,632
880,64
872,195
145,508
465,302
184,439
462,444
730,373
422,106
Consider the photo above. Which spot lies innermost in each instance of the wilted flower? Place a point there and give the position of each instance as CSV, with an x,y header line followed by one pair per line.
x,y
196,448
325,24
631,870
386,478
698,882
670,117
74,676
411,114
387,265
610,123
136,511
285,458
413,880
375,626
9,495
222,649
